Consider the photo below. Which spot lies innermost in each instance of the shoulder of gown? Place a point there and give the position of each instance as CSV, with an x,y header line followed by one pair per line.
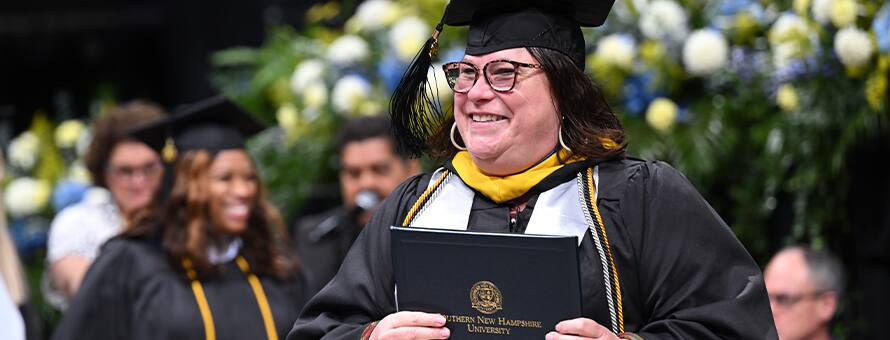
x,y
689,276
100,309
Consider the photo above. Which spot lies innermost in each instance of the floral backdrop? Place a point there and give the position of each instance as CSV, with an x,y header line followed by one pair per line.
x,y
757,102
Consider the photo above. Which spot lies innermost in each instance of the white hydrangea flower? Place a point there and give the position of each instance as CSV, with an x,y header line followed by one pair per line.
x,y
618,49
26,196
664,20
315,95
787,99
822,11
350,92
786,28
307,72
785,39
407,36
783,54
287,117
348,49
801,7
69,132
662,114
23,150
705,52
843,12
853,46
373,15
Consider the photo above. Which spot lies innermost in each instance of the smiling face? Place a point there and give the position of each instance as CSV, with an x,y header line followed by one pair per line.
x,y
233,188
133,174
507,132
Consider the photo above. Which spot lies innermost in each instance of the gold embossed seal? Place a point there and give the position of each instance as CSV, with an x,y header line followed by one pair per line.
x,y
486,297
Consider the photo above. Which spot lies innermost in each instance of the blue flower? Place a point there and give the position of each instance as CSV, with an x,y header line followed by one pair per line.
x,y
791,71
68,193
881,26
390,70
683,114
731,7
638,93
29,233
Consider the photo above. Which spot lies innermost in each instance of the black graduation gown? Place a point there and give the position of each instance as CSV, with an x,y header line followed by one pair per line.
x,y
132,292
321,255
683,273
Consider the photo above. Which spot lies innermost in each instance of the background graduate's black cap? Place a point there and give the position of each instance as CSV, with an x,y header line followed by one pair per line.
x,y
213,124
501,24
494,25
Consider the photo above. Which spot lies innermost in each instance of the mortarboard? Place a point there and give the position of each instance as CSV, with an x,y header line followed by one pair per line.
x,y
501,24
494,25
213,124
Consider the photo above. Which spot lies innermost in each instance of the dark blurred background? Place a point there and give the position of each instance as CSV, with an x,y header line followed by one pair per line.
x,y
57,56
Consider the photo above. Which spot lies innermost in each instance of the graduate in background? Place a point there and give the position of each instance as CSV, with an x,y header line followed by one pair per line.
x,y
130,171
210,261
533,147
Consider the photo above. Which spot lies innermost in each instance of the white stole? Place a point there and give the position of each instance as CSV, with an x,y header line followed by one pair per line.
x,y
557,211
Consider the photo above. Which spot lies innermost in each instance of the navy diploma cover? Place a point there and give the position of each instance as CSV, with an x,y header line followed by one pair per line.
x,y
488,285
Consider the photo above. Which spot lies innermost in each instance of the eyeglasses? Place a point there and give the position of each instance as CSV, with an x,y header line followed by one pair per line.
x,y
148,170
500,74
788,300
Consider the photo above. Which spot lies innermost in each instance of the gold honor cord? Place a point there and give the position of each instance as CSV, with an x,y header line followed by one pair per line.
x,y
261,299
255,286
203,306
599,218
424,197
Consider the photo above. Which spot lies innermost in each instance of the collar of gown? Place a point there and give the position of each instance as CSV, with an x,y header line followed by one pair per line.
x,y
217,255
502,189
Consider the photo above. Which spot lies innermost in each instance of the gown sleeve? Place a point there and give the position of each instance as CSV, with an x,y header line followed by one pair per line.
x,y
696,280
363,289
100,307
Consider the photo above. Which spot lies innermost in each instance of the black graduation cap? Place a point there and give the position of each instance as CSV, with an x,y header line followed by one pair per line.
x,y
501,24
494,25
213,124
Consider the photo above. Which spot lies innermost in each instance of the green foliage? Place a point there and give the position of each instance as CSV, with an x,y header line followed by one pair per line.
x,y
767,129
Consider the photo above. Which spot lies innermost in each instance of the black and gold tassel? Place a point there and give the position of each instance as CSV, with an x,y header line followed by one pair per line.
x,y
415,109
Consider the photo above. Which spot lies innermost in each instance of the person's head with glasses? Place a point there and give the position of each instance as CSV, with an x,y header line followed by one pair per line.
x,y
520,91
128,168
804,287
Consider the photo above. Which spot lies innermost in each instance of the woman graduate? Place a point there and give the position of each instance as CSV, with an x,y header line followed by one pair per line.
x,y
207,262
531,136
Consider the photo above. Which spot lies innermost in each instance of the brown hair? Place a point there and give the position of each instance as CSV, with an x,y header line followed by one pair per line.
x,y
110,129
589,126
183,223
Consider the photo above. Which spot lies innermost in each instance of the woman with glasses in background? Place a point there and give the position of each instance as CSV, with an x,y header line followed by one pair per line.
x,y
128,174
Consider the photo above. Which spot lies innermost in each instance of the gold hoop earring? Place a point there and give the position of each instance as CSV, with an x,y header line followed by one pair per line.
x,y
453,142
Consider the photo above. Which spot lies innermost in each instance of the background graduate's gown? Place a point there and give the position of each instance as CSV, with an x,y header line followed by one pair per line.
x,y
132,292
683,273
